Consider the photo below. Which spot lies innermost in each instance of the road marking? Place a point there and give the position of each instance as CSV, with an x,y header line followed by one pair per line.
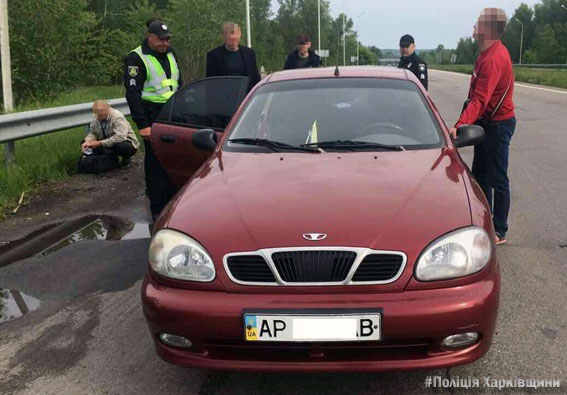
x,y
515,84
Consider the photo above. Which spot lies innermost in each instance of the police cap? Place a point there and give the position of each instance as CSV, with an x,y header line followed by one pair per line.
x,y
160,29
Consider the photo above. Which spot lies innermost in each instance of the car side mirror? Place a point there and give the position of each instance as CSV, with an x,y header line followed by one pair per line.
x,y
468,135
205,139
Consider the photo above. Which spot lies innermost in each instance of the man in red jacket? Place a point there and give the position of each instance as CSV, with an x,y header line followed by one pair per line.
x,y
490,105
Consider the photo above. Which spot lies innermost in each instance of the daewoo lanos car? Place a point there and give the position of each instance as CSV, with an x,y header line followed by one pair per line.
x,y
331,225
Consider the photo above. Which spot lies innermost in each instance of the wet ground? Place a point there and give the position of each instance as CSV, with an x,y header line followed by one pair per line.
x,y
56,236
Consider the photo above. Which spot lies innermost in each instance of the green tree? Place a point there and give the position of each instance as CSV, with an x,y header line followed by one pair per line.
x,y
467,51
197,28
48,46
547,48
513,34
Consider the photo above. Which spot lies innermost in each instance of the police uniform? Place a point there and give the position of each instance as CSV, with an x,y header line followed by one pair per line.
x,y
413,62
150,79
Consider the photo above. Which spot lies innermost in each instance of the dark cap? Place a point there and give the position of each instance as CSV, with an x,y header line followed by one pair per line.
x,y
406,40
303,38
160,29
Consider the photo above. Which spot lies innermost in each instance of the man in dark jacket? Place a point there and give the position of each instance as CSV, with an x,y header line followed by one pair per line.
x,y
411,61
232,58
303,56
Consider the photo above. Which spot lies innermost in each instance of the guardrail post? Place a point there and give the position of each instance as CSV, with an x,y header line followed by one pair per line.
x,y
9,150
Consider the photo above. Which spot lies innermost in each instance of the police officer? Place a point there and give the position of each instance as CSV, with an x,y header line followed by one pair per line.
x,y
151,77
411,61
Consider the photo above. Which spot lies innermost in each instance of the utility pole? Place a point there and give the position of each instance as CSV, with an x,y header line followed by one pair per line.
x,y
521,38
5,49
357,51
6,72
565,8
319,19
248,32
344,36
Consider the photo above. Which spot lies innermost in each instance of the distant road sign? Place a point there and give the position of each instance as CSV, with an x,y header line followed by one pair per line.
x,y
324,53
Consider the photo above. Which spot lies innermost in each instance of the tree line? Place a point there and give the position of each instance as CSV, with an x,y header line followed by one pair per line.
x,y
544,39
57,45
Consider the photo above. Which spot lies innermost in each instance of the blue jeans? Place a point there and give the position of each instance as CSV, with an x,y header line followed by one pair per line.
x,y
490,168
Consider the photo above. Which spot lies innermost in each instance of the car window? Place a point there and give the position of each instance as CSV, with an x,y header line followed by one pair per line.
x,y
374,110
208,103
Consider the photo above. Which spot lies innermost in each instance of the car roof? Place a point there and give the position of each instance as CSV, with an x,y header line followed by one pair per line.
x,y
346,71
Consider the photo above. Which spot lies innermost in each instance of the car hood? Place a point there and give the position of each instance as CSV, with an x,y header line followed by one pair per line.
x,y
386,200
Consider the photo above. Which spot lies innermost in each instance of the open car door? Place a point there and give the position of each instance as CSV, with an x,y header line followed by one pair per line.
x,y
209,103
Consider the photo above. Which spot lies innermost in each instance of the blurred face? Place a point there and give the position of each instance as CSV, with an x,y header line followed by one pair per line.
x,y
407,50
490,25
101,110
303,48
231,36
159,45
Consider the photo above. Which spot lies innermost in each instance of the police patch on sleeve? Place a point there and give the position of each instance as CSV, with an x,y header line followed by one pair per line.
x,y
422,67
133,71
132,82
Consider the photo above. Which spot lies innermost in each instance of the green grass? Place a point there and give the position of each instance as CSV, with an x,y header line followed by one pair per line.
x,y
77,96
548,77
49,157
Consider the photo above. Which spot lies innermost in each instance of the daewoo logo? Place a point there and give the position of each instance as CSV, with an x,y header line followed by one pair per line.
x,y
314,236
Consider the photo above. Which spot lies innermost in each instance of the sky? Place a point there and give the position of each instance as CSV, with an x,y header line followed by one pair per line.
x,y
430,22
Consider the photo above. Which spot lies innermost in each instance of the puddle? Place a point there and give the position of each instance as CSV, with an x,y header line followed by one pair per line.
x,y
14,304
57,236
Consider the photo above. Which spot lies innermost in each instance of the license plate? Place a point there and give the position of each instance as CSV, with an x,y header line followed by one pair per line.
x,y
307,328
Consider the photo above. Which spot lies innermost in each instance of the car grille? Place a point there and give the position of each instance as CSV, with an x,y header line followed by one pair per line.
x,y
313,266
378,267
250,268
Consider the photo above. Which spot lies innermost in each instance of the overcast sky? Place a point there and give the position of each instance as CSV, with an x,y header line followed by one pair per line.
x,y
430,22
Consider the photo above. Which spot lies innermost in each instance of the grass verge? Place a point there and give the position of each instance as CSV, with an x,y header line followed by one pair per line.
x,y
548,77
46,158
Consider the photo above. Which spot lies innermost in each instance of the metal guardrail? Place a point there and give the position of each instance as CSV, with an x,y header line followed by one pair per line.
x,y
23,125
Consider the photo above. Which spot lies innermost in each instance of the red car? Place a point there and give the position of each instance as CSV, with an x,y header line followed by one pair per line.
x,y
327,223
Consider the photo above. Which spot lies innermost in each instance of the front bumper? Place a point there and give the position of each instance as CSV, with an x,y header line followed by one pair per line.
x,y
413,325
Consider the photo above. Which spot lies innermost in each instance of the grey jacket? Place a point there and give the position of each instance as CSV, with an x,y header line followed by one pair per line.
x,y
117,130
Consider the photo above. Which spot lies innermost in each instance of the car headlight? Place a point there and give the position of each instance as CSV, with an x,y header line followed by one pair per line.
x,y
457,254
175,255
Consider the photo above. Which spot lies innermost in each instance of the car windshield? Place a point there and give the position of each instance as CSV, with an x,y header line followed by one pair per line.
x,y
338,114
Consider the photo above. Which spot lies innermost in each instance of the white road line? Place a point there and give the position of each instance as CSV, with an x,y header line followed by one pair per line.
x,y
516,84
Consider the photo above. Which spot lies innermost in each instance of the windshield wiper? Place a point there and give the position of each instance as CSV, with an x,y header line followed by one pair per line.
x,y
352,145
274,145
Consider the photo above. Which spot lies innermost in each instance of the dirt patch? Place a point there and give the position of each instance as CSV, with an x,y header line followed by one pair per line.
x,y
118,192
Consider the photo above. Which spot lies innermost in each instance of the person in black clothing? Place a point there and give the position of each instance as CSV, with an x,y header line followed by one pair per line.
x,y
232,58
145,105
411,61
303,56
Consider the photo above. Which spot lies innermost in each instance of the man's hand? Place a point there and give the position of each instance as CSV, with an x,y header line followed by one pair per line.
x,y
146,133
91,144
453,132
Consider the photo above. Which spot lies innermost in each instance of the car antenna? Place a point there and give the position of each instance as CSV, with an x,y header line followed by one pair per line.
x,y
337,72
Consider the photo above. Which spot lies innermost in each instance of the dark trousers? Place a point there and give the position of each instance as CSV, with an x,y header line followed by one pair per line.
x,y
124,149
490,168
158,187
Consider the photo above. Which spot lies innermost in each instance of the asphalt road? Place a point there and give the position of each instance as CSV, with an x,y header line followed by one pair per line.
x,y
89,335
